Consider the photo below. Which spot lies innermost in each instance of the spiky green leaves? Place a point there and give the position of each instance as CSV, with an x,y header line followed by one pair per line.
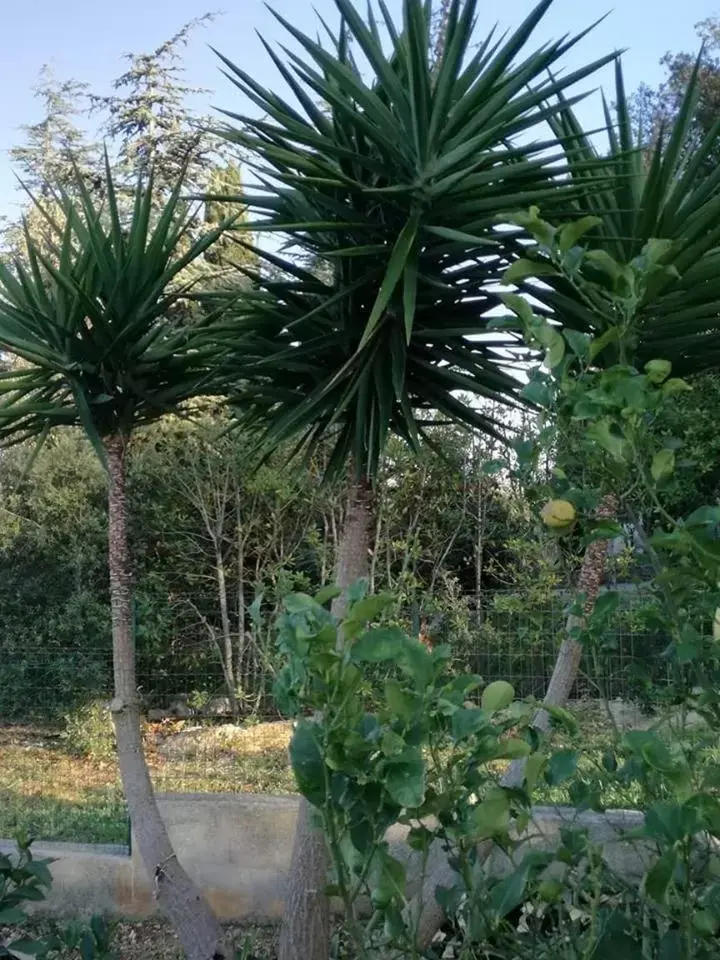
x,y
658,203
97,318
389,179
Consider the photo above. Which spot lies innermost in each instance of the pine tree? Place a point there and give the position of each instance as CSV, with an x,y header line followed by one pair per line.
x,y
149,119
56,146
56,150
225,184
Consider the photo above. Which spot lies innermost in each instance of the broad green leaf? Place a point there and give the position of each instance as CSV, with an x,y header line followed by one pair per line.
x,y
658,370
672,822
675,385
514,749
555,352
510,322
706,516
663,464
370,607
417,662
379,645
401,702
524,269
326,594
307,762
392,743
706,923
467,721
571,233
533,768
492,815
561,767
659,877
497,696
519,306
605,262
616,945
12,916
508,893
606,605
602,433
30,947
405,778
40,870
561,718
387,879
537,391
578,342
298,603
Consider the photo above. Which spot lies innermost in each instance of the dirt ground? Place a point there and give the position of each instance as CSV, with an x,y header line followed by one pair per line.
x,y
153,940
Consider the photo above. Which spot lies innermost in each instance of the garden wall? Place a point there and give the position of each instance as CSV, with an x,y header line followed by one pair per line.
x,y
237,847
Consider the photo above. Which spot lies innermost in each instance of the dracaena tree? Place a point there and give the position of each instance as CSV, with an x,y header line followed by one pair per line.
x,y
385,177
655,209
636,195
105,339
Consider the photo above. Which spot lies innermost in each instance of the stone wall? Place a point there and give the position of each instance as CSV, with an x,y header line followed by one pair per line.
x,y
237,847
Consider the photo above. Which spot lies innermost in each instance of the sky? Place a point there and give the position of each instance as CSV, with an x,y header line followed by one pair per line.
x,y
86,39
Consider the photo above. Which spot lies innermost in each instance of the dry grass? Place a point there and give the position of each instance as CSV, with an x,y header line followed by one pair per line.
x,y
226,739
55,795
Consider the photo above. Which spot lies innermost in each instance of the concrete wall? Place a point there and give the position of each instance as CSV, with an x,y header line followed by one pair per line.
x,y
237,847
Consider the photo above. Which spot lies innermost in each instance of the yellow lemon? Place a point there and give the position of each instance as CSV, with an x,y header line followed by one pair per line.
x,y
558,514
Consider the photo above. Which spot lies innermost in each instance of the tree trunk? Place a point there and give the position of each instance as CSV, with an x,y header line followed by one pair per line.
x,y
569,656
305,930
479,546
241,616
228,652
561,683
199,932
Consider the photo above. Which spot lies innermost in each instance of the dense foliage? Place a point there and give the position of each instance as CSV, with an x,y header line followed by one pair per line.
x,y
388,736
199,507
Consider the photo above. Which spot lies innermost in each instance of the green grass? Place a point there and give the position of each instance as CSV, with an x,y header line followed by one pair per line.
x,y
52,794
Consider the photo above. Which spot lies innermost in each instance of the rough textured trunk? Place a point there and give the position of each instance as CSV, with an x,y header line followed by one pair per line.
x,y
200,934
240,658
305,931
561,683
352,561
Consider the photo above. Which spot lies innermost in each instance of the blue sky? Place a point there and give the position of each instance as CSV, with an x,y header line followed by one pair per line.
x,y
85,40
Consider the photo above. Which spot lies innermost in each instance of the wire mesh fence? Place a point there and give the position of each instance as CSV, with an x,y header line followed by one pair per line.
x,y
58,775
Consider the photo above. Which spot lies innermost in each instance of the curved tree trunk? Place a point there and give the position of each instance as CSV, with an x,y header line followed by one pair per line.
x,y
199,932
561,683
569,656
305,930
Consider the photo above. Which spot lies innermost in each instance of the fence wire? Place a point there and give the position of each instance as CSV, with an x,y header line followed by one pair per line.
x,y
58,775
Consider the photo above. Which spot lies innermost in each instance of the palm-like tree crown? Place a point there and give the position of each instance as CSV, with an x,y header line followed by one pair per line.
x,y
662,195
101,323
391,190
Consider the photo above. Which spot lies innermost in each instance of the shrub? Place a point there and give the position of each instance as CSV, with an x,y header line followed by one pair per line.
x,y
89,731
22,880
